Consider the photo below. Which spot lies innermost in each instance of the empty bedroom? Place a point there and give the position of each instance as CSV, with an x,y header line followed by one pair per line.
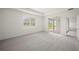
x,y
39,29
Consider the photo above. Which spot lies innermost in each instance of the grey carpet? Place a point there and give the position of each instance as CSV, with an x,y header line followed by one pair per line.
x,y
42,41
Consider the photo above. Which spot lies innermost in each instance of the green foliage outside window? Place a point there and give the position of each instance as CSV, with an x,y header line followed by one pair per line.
x,y
51,26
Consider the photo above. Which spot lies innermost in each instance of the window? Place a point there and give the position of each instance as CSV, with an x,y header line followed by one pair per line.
x,y
29,22
26,22
32,22
51,24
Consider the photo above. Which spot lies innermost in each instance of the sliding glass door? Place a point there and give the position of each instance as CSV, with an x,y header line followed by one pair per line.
x,y
51,25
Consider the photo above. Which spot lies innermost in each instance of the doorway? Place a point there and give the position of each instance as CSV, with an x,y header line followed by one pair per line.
x,y
71,26
52,25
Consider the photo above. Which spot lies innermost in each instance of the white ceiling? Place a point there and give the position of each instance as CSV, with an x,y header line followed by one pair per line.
x,y
47,11
50,10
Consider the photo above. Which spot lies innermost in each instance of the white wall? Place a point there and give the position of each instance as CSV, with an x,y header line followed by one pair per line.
x,y
13,23
1,21
78,27
63,25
